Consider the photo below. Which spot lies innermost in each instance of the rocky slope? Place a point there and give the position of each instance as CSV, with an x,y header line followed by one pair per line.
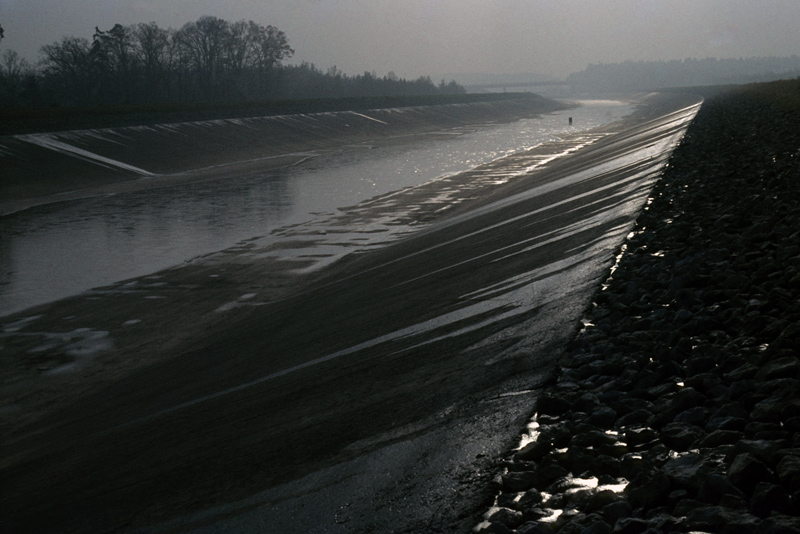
x,y
677,406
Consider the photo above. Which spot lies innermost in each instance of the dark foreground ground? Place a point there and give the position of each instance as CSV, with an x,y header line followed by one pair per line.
x,y
686,384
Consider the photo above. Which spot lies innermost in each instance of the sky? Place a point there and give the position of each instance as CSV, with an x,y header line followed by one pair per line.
x,y
437,37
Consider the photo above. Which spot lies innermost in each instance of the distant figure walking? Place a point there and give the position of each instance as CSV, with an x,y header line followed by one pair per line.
x,y
570,121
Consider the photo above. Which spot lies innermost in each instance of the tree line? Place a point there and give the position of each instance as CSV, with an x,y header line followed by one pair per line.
x,y
208,60
648,75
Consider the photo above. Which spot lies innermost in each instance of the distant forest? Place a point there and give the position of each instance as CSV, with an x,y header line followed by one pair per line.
x,y
648,75
209,60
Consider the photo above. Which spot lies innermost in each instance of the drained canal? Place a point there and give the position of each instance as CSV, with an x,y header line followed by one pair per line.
x,y
61,249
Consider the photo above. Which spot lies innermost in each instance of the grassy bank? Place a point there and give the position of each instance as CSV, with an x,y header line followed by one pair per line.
x,y
15,121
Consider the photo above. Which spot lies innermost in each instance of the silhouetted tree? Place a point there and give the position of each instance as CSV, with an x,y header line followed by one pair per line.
x,y
203,42
209,59
68,71
14,72
115,63
153,49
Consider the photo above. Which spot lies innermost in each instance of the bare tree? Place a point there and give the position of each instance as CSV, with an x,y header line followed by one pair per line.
x,y
115,63
270,46
13,73
204,43
68,66
152,46
224,55
209,59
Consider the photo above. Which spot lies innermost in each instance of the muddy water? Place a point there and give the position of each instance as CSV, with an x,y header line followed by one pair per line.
x,y
54,251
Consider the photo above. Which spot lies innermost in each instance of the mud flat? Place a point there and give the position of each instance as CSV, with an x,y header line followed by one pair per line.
x,y
676,407
240,387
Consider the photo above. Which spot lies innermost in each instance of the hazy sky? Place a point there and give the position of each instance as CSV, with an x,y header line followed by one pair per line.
x,y
417,37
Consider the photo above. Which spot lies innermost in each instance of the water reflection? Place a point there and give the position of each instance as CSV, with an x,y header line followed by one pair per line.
x,y
54,251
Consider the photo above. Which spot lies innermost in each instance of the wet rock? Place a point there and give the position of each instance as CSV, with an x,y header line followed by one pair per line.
x,y
630,525
534,451
601,499
603,465
517,481
741,388
768,498
699,364
546,475
527,500
693,416
595,438
685,506
508,500
764,450
685,399
719,519
681,436
792,424
686,471
733,502
779,524
550,404
603,417
587,403
731,409
742,372
727,423
719,438
790,409
516,465
788,471
598,527
648,492
746,471
558,435
664,522
636,417
633,465
536,528
636,437
534,514
616,511
616,450
506,517
488,527
714,488
786,367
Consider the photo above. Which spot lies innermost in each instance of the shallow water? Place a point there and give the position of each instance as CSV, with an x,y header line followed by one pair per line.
x,y
54,251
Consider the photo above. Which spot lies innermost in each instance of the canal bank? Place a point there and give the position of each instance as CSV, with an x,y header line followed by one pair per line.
x,y
66,165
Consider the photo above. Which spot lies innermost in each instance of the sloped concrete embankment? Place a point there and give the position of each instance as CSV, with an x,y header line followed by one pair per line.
x,y
37,165
684,390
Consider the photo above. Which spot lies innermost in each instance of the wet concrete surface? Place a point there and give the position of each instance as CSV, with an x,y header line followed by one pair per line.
x,y
371,396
